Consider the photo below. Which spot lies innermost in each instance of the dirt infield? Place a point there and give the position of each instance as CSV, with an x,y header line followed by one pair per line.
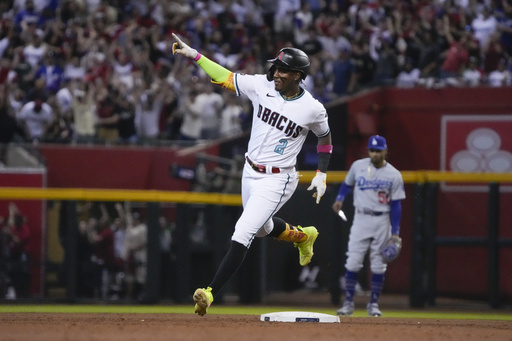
x,y
183,327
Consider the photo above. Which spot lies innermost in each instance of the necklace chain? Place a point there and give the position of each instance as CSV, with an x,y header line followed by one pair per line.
x,y
290,97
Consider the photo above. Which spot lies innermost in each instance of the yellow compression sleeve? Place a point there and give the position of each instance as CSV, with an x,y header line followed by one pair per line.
x,y
219,75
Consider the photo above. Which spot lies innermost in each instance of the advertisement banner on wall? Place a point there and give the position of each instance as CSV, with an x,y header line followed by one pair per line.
x,y
476,144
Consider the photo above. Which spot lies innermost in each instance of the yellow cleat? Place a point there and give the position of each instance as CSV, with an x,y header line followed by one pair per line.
x,y
306,247
203,298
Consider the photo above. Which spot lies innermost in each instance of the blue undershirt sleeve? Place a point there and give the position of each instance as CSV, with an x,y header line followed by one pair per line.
x,y
395,215
343,192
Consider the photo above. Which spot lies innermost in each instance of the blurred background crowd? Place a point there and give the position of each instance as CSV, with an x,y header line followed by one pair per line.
x,y
111,252
102,71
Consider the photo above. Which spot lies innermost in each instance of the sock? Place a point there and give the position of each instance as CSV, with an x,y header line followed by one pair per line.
x,y
377,285
279,227
291,234
229,266
350,285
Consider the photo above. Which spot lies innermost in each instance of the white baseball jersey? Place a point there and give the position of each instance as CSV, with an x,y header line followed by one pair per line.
x,y
36,122
374,188
279,129
279,126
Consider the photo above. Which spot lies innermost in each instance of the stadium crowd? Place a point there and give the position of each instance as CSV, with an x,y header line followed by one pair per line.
x,y
111,251
102,71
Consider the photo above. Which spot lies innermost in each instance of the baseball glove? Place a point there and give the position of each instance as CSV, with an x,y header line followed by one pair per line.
x,y
391,249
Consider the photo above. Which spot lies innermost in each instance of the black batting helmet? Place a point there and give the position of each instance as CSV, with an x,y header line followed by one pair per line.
x,y
292,59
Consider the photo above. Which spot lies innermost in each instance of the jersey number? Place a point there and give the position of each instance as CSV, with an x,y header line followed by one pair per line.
x,y
280,147
383,197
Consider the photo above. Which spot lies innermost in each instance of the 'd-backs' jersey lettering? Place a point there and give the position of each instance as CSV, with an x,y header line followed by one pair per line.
x,y
279,126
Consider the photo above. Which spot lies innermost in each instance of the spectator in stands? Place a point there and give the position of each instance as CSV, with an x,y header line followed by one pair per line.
x,y
224,57
344,75
231,116
311,45
27,15
210,105
472,76
148,109
9,127
83,108
16,235
60,129
483,26
505,27
122,68
107,117
73,70
119,230
104,30
126,124
409,76
39,91
190,129
284,15
493,54
364,65
64,99
501,76
136,242
97,67
85,274
386,67
22,72
16,98
456,56
35,51
50,72
334,41
166,256
429,61
35,116
102,241
170,120
5,69
303,21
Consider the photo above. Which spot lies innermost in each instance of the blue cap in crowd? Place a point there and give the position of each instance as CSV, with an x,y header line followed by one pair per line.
x,y
377,142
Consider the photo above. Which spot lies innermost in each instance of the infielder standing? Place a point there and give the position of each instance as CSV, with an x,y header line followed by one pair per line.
x,y
378,190
283,115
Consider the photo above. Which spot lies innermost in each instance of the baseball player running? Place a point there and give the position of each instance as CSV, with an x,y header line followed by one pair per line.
x,y
284,113
378,190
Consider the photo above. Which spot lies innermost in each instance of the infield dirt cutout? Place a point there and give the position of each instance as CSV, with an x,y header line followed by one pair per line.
x,y
182,327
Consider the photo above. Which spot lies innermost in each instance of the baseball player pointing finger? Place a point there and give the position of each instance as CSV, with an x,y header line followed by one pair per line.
x,y
284,113
378,190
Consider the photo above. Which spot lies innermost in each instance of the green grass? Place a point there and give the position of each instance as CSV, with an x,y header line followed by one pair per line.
x,y
239,310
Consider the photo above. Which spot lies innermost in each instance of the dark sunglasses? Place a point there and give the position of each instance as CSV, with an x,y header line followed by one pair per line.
x,y
375,150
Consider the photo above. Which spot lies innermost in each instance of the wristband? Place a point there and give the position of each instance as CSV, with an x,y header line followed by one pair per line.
x,y
197,57
324,148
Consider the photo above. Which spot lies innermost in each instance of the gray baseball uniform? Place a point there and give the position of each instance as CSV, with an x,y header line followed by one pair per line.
x,y
373,189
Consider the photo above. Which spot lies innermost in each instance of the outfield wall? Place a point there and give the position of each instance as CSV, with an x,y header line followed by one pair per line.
x,y
425,129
